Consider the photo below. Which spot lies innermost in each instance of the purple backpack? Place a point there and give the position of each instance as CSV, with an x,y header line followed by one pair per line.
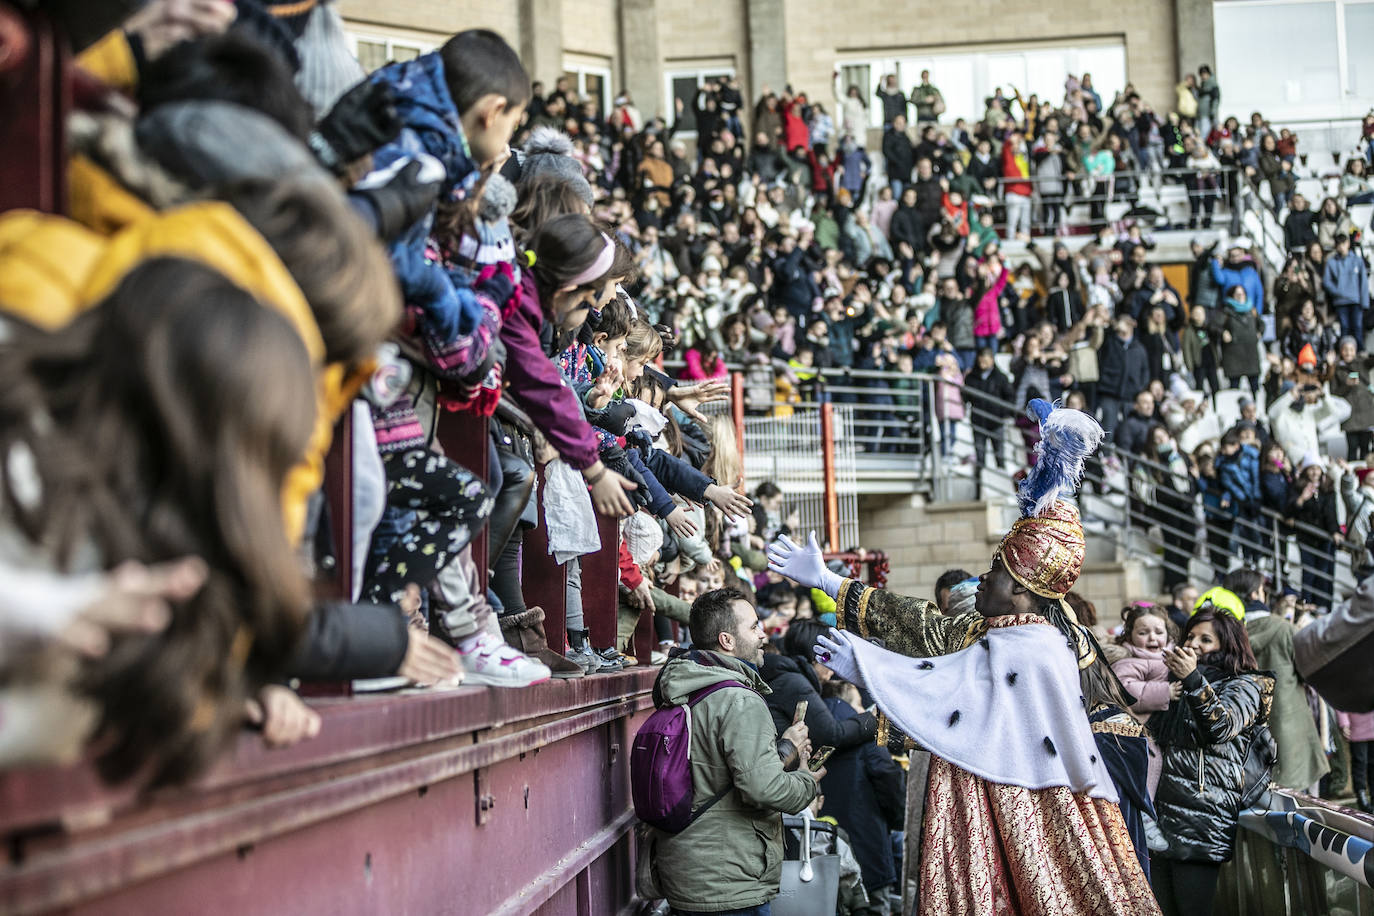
x,y
661,769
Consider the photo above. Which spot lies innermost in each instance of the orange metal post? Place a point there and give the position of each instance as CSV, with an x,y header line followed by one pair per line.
x,y
832,500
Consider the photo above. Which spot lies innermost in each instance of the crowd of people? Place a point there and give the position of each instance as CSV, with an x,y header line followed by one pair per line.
x,y
263,240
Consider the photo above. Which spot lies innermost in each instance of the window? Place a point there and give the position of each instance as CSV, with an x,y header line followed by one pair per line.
x,y
967,78
683,84
374,51
590,81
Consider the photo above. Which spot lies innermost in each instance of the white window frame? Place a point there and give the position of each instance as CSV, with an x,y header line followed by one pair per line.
x,y
700,73
390,42
907,65
582,71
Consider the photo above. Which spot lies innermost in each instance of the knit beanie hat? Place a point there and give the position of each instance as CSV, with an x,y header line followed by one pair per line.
x,y
328,67
550,152
489,242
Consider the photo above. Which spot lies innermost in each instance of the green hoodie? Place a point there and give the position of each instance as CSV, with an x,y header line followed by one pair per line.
x,y
731,857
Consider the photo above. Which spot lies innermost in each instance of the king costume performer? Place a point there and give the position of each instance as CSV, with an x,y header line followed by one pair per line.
x,y
1021,815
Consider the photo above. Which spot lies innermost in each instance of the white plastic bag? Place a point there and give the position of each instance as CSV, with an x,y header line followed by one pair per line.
x,y
568,513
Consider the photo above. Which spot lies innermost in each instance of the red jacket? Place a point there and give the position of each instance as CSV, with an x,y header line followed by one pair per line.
x,y
1016,165
630,576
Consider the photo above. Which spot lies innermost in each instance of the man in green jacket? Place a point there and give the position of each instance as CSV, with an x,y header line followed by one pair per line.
x,y
729,860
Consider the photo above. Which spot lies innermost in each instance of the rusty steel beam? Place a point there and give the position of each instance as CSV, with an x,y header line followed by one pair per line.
x,y
538,892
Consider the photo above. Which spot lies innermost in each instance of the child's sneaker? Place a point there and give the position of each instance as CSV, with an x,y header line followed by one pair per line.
x,y
491,662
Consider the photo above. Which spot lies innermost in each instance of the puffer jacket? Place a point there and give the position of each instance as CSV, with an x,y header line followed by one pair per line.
x,y
730,858
792,679
1203,738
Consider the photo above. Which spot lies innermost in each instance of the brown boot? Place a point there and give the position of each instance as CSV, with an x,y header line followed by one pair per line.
x,y
525,631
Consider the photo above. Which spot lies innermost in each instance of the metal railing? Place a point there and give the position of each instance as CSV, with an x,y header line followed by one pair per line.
x,y
890,425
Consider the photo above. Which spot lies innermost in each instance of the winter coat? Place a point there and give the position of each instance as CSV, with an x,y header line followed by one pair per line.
x,y
1198,349
898,155
907,226
536,384
958,316
1302,759
865,791
1239,477
1132,432
1299,431
1245,276
1203,738
983,396
1299,229
987,320
1350,382
1144,676
1328,227
949,401
1361,725
792,679
1123,366
731,857
1323,339
1359,518
1319,512
1240,355
1345,280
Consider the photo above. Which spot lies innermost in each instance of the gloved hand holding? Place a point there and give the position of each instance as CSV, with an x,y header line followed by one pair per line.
x,y
803,565
835,652
497,283
362,120
640,439
401,202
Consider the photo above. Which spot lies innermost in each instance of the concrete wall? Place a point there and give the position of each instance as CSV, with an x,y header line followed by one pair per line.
x,y
923,540
817,32
799,41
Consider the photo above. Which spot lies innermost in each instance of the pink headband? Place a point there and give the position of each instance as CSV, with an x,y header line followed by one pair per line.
x,y
598,267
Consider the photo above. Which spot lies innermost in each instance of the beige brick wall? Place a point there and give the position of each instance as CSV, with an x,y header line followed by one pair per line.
x,y
922,541
438,17
591,27
818,33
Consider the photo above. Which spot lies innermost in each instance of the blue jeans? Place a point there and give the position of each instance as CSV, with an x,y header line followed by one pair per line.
x,y
762,910
990,342
965,359
1351,317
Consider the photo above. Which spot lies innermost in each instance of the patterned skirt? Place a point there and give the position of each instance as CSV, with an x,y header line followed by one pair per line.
x,y
998,850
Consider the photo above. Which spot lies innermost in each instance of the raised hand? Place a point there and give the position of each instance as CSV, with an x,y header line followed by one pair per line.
x,y
732,504
803,565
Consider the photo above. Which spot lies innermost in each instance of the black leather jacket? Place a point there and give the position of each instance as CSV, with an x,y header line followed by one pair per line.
x,y
1203,737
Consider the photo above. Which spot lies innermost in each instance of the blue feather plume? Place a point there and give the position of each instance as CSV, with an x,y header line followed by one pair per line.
x,y
1067,438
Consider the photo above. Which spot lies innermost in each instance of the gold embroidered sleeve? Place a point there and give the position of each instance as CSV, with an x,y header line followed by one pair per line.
x,y
909,626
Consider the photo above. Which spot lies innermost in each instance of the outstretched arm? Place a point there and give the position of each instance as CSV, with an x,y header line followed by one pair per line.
x,y
909,626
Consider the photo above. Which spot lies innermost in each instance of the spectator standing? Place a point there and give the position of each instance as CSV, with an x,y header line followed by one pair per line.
x,y
898,154
1134,429
853,112
1017,189
1350,381
865,792
1358,729
1312,503
730,858
987,392
1124,370
1299,227
1240,340
1302,759
927,100
894,103
793,676
1203,739
1345,280
1208,101
1165,486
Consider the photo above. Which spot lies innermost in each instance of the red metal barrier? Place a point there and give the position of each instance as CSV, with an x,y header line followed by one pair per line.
x,y
34,101
832,500
469,802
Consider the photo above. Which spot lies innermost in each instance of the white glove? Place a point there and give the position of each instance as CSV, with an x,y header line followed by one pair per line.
x,y
835,652
803,565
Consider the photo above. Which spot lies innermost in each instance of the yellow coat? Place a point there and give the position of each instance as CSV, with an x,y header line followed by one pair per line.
x,y
52,269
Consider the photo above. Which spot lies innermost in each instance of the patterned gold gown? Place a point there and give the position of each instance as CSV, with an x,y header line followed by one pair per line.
x,y
988,849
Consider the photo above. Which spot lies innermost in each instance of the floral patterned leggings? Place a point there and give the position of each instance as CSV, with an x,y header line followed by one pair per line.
x,y
449,504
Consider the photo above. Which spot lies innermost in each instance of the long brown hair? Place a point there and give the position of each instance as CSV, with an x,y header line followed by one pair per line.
x,y
1233,654
340,267
161,424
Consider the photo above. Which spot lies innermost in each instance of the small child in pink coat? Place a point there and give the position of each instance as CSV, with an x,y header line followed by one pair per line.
x,y
1148,631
